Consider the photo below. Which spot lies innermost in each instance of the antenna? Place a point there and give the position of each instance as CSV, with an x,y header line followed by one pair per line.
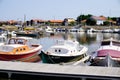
x,y
110,16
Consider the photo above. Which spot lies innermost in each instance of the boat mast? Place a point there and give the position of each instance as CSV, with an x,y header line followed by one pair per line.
x,y
109,18
24,22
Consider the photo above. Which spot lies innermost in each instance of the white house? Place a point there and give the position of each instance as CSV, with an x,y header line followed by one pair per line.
x,y
99,20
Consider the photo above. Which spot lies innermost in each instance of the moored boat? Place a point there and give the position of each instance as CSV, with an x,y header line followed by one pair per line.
x,y
28,33
108,53
65,51
49,30
19,48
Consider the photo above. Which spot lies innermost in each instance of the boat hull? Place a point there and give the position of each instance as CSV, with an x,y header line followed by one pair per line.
x,y
106,61
28,35
58,59
15,57
112,53
33,58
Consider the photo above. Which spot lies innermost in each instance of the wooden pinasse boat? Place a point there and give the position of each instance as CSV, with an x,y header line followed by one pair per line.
x,y
19,48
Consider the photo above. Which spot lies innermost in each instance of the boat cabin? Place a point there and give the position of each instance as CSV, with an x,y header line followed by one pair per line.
x,y
13,49
65,47
106,43
18,45
17,41
23,40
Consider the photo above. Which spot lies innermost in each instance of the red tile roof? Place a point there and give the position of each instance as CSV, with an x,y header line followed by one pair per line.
x,y
56,21
99,18
12,21
40,20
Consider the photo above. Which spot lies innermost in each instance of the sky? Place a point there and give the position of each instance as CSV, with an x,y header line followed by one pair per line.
x,y
57,9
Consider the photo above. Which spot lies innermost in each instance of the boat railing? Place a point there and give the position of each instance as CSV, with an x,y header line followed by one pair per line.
x,y
80,48
113,47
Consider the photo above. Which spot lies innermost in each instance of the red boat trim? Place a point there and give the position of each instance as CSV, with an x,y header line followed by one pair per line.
x,y
112,53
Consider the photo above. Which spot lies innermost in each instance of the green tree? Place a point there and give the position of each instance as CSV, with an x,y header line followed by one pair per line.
x,y
72,23
106,23
114,18
83,17
47,23
91,22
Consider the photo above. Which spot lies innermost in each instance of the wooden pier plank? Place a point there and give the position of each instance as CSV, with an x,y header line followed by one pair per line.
x,y
70,70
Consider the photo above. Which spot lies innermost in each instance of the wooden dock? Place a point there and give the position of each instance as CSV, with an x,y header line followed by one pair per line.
x,y
72,72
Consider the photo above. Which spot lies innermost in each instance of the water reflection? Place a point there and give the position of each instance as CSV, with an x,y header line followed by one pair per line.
x,y
86,38
108,35
91,40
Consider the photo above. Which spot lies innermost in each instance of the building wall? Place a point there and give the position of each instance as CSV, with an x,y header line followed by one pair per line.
x,y
68,21
99,22
118,21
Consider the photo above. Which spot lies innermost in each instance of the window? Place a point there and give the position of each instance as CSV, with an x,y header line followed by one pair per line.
x,y
11,41
21,49
24,49
55,50
105,43
17,50
59,50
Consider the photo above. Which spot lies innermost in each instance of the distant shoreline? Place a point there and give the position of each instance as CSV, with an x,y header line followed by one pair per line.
x,y
85,27
68,27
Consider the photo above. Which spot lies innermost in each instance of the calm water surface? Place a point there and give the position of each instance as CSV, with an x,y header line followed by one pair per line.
x,y
90,40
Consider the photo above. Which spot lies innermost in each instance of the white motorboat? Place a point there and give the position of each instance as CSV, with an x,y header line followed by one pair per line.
x,y
65,51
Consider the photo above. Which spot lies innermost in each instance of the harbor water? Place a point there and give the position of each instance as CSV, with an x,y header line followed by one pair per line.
x,y
90,40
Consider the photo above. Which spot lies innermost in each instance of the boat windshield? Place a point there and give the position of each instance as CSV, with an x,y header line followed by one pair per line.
x,y
105,43
116,43
109,42
16,41
2,39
